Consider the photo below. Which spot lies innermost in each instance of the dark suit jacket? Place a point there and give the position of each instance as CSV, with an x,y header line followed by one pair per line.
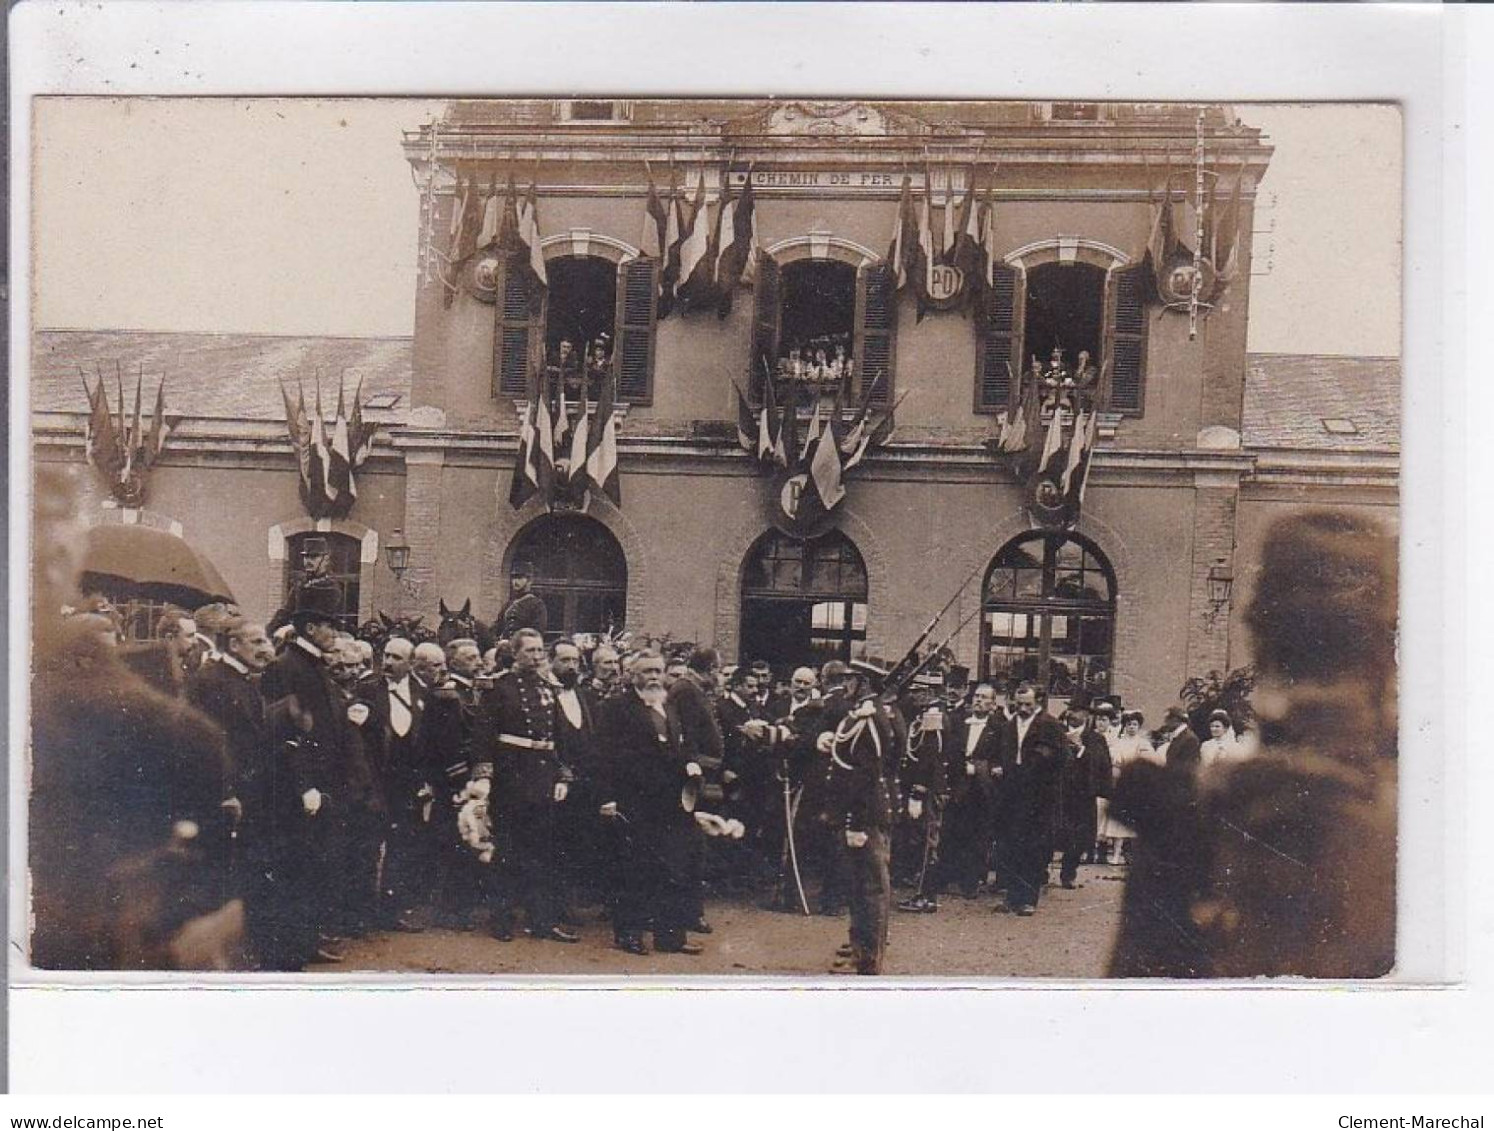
x,y
528,611
1183,752
402,777
644,767
1030,776
699,729
233,701
986,757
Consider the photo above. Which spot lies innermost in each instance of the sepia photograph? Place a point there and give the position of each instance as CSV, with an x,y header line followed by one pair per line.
x,y
767,539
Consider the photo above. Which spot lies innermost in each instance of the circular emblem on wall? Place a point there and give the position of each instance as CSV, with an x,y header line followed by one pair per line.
x,y
946,285
1177,286
795,508
480,277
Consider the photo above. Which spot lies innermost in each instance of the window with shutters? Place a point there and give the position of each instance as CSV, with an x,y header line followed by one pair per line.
x,y
998,328
580,321
1075,307
1125,353
518,330
636,318
876,332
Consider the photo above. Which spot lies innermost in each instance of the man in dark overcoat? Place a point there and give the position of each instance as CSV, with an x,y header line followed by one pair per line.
x,y
525,608
972,755
650,781
1034,746
1086,777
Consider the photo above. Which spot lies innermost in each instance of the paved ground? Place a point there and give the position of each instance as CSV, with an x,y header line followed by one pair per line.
x,y
1069,937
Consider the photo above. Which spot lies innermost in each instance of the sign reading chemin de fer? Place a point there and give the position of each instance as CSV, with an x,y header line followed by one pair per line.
x,y
838,180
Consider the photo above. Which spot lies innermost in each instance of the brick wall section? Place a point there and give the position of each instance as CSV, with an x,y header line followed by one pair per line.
x,y
1216,502
422,524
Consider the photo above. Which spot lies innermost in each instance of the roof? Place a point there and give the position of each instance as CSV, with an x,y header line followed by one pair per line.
x,y
1289,397
224,376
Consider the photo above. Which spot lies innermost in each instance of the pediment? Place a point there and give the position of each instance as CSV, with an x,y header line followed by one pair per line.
x,y
827,118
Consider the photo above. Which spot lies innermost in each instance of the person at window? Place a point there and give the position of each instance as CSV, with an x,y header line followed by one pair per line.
x,y
598,367
1034,745
529,782
820,371
841,366
647,775
524,609
792,367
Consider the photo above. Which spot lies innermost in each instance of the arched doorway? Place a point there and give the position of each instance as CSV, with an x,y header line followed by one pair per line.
x,y
578,569
1048,614
803,600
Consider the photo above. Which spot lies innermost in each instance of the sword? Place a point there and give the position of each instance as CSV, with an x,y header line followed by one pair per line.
x,y
788,824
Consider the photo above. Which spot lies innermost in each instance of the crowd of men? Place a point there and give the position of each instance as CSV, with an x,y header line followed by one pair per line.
x,y
227,797
420,784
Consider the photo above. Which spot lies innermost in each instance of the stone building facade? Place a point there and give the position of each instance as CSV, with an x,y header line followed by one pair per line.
x,y
1204,446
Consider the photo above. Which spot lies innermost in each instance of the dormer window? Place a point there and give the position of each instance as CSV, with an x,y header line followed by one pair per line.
x,y
1069,111
586,110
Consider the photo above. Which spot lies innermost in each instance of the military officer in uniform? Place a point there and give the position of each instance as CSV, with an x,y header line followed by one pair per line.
x,y
525,609
862,750
518,736
450,733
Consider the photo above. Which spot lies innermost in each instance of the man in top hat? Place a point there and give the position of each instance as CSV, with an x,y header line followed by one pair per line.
x,y
1034,746
518,751
862,750
1086,777
525,609
923,775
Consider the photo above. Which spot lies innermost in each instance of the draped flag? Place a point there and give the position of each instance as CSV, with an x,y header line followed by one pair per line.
x,y
601,460
466,222
748,428
580,439
325,466
695,262
900,252
945,251
1225,252
923,257
542,451
563,419
673,225
524,485
529,236
1075,452
655,224
122,451
492,207
340,452
966,253
988,238
767,438
1052,446
738,243
1076,473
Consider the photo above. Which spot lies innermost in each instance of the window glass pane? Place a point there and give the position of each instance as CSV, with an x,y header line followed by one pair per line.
x,y
858,618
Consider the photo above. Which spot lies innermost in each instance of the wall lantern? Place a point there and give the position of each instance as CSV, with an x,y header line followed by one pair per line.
x,y
397,554
1221,581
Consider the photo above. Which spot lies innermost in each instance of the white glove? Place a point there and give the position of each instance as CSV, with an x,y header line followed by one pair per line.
x,y
915,808
996,771
234,808
561,790
824,743
855,839
609,809
311,801
692,770
728,776
969,769
479,788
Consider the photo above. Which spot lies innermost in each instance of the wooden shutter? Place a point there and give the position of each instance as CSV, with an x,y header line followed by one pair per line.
x,y
1125,329
637,315
998,330
767,298
518,331
876,330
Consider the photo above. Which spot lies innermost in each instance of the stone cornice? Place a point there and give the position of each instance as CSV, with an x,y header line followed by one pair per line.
x,y
256,442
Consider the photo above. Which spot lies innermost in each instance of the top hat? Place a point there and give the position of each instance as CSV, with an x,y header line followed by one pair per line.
x,y
317,599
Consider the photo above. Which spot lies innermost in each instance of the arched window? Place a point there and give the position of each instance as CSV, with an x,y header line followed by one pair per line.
x,y
339,557
1074,295
1049,614
532,322
803,601
823,302
578,569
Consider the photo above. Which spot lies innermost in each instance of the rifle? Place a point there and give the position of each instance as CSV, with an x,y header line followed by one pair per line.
x,y
897,681
911,656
